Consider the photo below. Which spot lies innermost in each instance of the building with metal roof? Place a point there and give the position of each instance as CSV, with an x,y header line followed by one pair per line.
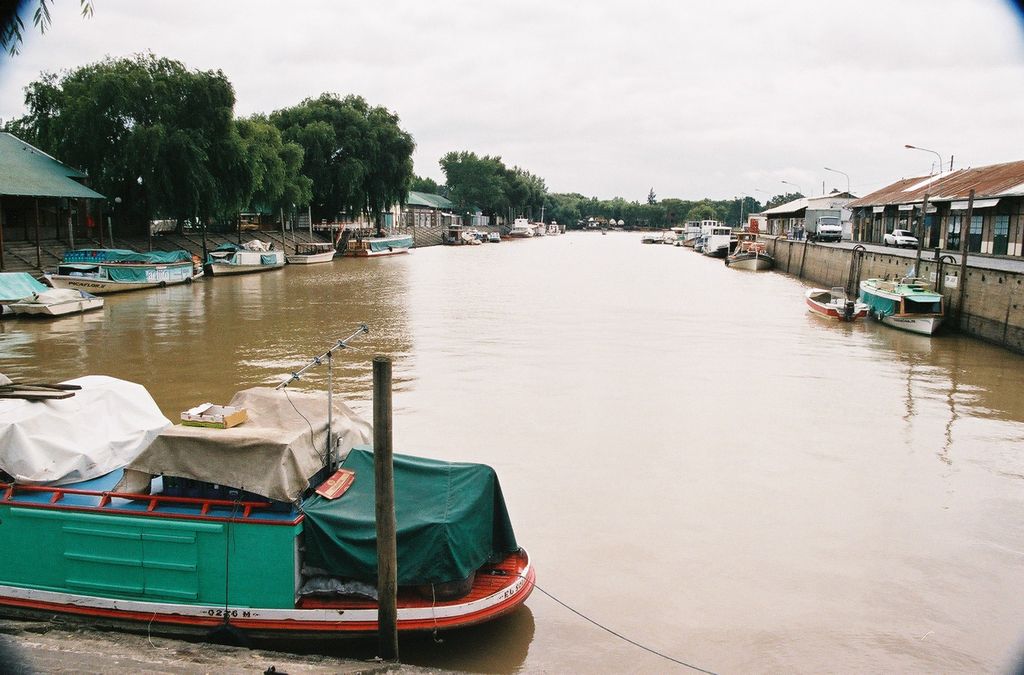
x,y
789,218
40,197
997,219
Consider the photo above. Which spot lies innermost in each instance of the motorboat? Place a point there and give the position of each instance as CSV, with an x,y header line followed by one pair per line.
x,y
311,253
265,529
834,304
56,302
494,237
253,256
717,239
906,304
106,270
371,247
521,229
15,286
750,254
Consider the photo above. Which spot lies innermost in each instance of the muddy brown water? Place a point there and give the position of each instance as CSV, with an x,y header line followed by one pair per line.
x,y
690,457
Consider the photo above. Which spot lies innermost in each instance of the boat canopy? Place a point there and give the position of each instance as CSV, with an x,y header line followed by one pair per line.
x,y
451,519
18,285
388,243
115,255
274,453
60,441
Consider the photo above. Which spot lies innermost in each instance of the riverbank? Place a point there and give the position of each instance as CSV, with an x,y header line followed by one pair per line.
x,y
39,647
993,307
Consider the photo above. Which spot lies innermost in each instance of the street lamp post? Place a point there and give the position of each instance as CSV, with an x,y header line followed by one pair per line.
x,y
914,147
799,191
845,174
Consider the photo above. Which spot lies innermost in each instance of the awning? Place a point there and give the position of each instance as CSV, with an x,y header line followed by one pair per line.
x,y
877,209
906,207
978,204
915,207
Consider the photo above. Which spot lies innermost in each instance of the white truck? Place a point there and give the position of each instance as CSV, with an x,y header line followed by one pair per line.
x,y
823,225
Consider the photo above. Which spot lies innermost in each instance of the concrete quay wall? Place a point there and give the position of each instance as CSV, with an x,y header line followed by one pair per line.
x,y
993,299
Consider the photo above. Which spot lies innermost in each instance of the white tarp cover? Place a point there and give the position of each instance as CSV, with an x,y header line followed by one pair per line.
x,y
99,429
273,453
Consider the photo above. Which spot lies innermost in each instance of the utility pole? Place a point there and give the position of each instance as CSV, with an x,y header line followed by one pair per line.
x,y
965,229
387,548
920,236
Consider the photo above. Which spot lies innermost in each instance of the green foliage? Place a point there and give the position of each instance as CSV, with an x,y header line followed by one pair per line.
x,y
427,185
475,181
146,129
276,167
358,158
12,28
652,198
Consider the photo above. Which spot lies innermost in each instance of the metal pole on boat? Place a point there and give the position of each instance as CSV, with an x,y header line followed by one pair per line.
x,y
383,469
920,236
965,229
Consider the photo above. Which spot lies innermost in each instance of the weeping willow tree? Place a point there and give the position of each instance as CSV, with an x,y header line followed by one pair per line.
x,y
358,157
148,130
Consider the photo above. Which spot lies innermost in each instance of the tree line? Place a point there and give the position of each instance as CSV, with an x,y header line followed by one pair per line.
x,y
165,139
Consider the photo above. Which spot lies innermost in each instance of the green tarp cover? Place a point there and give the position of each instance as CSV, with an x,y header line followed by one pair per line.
x,y
114,255
389,243
18,285
451,519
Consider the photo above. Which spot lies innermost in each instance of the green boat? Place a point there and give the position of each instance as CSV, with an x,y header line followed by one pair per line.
x,y
109,270
906,304
111,515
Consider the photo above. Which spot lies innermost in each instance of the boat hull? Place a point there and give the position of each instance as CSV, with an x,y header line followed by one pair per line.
x,y
496,592
104,286
720,252
83,304
310,258
750,262
831,311
922,325
218,269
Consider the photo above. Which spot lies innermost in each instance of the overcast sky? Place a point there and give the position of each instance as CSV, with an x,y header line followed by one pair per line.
x,y
608,99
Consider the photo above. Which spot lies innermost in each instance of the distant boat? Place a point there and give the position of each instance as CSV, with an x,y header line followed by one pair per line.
x,y
834,304
906,304
254,256
108,270
493,237
521,229
717,239
57,302
311,253
750,254
650,238
362,247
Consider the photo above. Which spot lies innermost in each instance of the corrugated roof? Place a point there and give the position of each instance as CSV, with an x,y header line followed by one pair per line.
x,y
428,200
26,171
788,207
995,180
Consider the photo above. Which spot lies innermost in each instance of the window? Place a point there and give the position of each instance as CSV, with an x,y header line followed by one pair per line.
x,y
953,232
974,234
1000,234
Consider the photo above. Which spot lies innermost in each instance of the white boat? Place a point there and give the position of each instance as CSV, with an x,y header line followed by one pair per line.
x,y
15,286
521,229
692,232
553,228
254,256
834,304
106,270
493,238
363,247
750,254
717,238
539,229
311,253
906,304
57,302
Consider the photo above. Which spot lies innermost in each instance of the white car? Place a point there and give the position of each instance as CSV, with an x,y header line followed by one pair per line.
x,y
900,238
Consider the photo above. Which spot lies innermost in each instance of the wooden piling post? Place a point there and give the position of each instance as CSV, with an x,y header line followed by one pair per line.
x,y
387,556
965,230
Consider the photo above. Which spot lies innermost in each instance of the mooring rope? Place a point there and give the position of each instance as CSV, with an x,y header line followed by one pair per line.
x,y
620,636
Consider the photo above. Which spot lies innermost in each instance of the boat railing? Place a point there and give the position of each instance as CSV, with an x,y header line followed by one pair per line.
x,y
240,509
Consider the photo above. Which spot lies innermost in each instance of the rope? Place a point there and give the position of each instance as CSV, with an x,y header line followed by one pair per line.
x,y
619,635
312,436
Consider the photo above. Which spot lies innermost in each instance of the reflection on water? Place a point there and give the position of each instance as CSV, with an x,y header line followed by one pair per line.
x,y
691,458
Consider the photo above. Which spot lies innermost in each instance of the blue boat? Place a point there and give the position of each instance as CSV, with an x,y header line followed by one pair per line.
x,y
905,304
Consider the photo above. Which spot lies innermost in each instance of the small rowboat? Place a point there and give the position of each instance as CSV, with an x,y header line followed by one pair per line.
x,y
834,304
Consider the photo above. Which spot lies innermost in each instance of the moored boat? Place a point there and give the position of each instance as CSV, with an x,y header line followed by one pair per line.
x,y
906,304
253,256
15,286
192,530
362,247
106,270
834,304
717,239
750,254
57,302
493,237
311,253
521,229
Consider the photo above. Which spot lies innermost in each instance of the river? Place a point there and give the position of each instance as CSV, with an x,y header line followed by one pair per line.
x,y
691,458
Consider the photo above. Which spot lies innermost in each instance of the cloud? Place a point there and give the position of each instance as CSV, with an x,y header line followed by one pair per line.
x,y
608,98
